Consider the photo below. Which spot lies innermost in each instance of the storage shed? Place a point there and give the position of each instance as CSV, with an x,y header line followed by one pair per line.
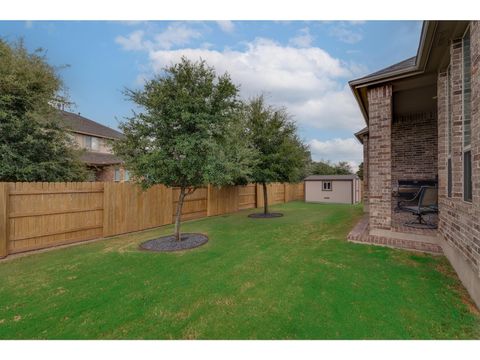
x,y
339,189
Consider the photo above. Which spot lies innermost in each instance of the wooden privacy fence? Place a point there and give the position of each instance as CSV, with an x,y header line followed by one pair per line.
x,y
40,215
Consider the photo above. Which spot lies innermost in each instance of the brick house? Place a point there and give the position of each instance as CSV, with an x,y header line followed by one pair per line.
x,y
94,138
423,124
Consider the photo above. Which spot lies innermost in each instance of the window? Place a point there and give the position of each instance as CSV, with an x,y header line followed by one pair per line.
x,y
117,174
126,175
467,176
467,114
449,132
95,144
88,142
327,185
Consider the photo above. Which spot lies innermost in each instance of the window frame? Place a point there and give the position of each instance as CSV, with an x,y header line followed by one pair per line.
x,y
88,142
95,143
115,171
327,182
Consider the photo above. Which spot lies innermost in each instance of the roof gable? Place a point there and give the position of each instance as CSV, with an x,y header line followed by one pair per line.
x,y
80,124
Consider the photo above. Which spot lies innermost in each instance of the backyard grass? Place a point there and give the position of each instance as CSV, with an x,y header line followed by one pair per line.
x,y
294,277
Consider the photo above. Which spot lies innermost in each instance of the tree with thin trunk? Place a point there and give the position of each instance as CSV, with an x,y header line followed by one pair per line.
x,y
281,155
188,132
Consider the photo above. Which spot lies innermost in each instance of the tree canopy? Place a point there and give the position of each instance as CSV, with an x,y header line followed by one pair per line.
x,y
34,145
189,131
281,155
326,167
360,171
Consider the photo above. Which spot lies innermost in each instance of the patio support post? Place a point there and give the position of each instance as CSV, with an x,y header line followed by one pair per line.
x,y
380,157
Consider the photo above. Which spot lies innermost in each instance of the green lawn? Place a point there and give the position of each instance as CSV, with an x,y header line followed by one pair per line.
x,y
294,277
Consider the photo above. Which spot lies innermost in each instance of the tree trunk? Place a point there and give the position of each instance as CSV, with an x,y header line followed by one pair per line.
x,y
178,213
265,198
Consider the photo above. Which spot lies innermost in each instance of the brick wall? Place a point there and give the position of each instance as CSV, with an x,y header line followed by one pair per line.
x,y
414,147
459,221
379,157
107,173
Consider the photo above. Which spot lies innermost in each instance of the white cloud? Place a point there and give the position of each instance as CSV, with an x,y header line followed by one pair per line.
x,y
308,81
346,34
134,41
337,150
226,26
176,34
303,40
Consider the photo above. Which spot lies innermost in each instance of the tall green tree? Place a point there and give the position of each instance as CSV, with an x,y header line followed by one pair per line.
x,y
34,145
343,168
325,167
360,171
189,133
281,155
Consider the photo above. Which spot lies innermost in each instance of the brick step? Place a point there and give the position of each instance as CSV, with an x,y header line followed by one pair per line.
x,y
408,241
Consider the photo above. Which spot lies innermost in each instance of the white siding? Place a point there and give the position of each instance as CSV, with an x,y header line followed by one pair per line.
x,y
341,192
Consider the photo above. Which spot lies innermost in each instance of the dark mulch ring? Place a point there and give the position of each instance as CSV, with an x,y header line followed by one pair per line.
x,y
265,216
168,243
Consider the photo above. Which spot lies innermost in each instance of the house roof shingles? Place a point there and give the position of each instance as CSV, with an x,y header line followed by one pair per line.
x,y
100,159
402,65
81,124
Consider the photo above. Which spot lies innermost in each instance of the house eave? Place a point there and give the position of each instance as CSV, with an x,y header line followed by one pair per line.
x,y
423,52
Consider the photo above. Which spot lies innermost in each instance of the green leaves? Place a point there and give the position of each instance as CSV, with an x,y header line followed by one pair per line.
x,y
281,155
327,168
189,131
33,144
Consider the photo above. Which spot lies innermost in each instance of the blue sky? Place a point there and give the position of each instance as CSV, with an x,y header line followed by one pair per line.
x,y
303,65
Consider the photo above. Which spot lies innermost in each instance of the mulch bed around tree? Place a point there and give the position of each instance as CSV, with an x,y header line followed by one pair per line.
x,y
265,216
168,243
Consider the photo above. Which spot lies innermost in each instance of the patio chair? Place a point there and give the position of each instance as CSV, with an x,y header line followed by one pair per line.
x,y
423,203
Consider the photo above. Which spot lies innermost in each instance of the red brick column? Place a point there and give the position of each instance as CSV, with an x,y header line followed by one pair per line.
x,y
380,157
457,119
442,83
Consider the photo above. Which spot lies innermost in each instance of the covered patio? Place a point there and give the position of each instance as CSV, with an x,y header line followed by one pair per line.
x,y
400,155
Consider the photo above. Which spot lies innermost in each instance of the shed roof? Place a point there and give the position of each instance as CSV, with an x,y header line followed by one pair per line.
x,y
331,177
81,124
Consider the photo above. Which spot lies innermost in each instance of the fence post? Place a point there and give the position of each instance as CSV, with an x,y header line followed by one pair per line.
x,y
209,198
106,208
3,220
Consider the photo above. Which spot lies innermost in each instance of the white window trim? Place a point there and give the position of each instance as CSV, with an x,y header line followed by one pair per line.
x,y
327,182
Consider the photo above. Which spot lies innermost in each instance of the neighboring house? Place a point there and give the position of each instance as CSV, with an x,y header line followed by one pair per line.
x,y
423,124
340,189
95,138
